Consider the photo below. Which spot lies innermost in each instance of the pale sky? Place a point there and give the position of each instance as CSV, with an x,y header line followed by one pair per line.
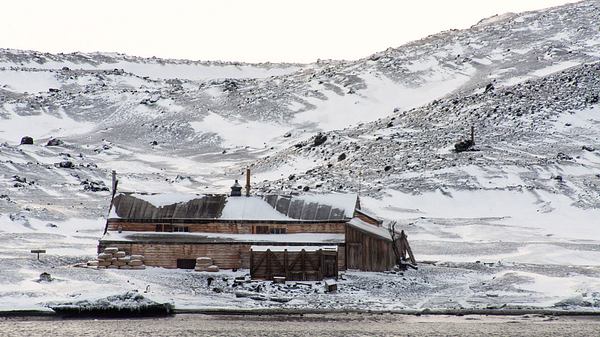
x,y
239,30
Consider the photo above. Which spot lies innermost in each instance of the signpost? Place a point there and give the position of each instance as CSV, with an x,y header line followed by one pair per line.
x,y
38,252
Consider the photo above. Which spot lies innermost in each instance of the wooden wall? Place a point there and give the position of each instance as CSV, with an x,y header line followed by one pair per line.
x,y
368,252
231,227
224,255
294,265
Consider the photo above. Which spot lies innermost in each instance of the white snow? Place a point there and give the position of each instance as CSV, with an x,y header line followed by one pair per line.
x,y
250,208
343,201
380,231
166,199
546,213
31,82
40,126
378,100
292,248
318,238
239,133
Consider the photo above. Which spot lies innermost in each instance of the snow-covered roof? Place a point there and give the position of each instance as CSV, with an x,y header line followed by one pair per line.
x,y
308,207
271,239
367,227
292,248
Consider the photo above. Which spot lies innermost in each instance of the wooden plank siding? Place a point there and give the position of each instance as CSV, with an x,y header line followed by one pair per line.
x,y
368,252
224,255
230,227
293,265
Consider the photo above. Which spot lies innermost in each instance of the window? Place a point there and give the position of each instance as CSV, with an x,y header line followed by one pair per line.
x,y
278,230
261,229
181,229
165,228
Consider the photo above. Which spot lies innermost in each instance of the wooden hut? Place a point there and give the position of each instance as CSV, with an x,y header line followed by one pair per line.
x,y
307,237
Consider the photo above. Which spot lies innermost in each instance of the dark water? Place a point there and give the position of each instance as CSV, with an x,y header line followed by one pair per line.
x,y
308,325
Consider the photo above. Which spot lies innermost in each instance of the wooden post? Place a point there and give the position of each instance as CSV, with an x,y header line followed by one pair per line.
x,y
303,264
114,182
285,263
251,262
472,135
320,259
269,272
247,182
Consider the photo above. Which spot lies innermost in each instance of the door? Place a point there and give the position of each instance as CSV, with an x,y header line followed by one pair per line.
x,y
353,255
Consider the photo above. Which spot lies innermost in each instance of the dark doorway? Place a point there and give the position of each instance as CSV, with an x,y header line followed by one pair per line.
x,y
330,266
186,263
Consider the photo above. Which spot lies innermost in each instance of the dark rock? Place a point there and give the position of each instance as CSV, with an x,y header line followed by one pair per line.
x,y
94,186
230,85
53,90
306,188
562,156
45,277
217,290
292,177
558,178
26,140
65,164
463,145
319,139
154,143
54,142
488,88
387,168
287,135
341,157
588,148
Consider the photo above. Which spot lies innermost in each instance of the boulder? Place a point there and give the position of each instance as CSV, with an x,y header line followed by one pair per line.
x,y
54,142
26,140
319,139
65,164
45,277
463,145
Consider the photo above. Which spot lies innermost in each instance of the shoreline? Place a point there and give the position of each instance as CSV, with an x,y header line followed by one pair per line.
x,y
300,312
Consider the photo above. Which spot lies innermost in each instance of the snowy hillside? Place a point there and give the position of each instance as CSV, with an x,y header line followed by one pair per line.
x,y
383,126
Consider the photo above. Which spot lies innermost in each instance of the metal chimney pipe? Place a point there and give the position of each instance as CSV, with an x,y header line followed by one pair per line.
x,y
247,182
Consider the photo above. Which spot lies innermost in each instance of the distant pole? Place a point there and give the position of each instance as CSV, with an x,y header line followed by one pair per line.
x,y
359,181
472,134
248,182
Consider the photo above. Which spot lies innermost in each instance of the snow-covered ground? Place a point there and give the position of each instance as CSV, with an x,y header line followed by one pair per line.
x,y
514,223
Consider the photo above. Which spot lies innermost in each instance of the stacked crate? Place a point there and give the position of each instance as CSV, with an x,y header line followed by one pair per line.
x,y
113,258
